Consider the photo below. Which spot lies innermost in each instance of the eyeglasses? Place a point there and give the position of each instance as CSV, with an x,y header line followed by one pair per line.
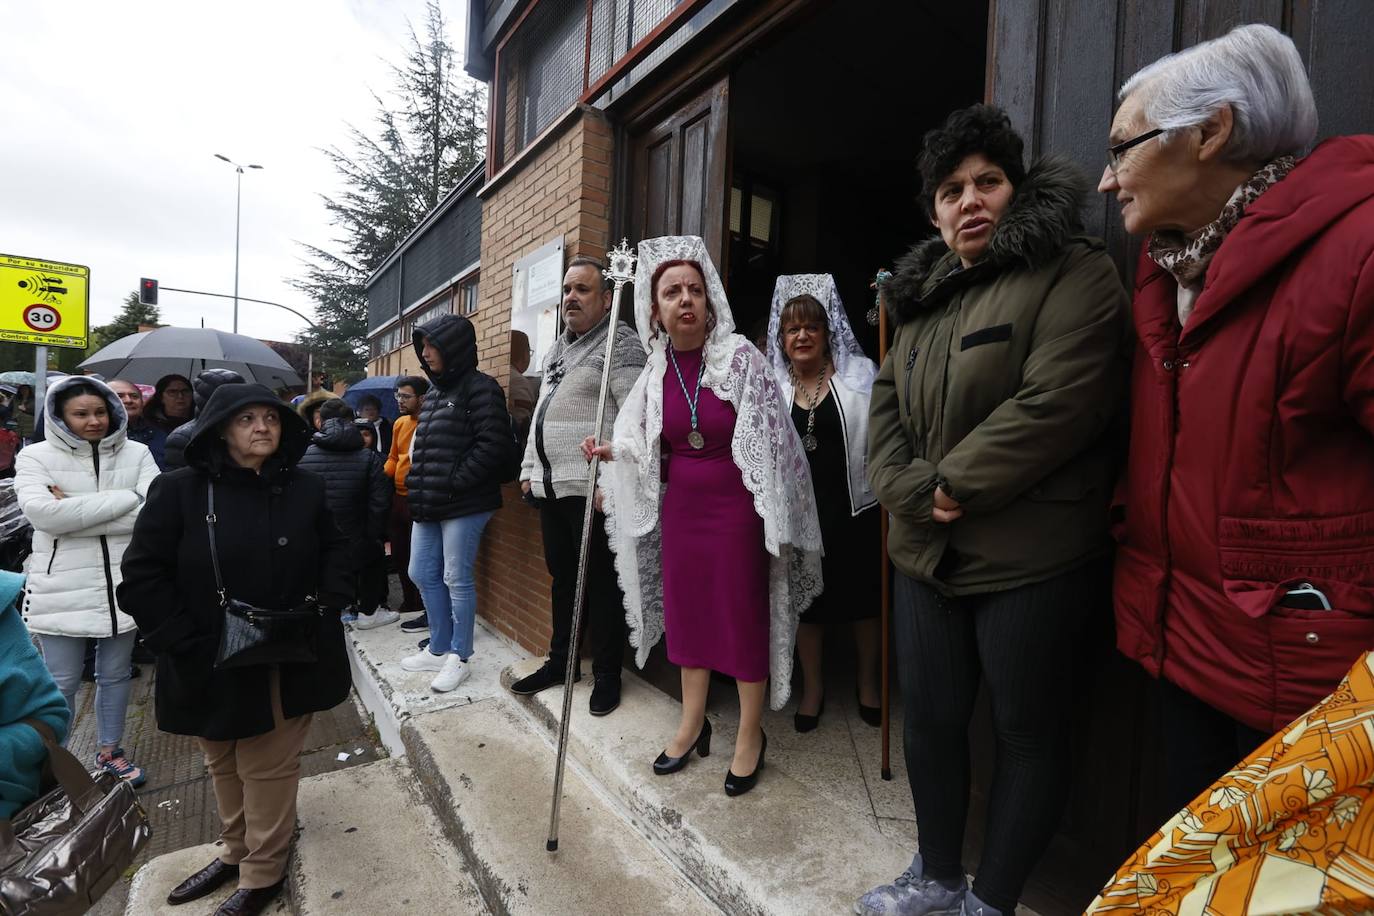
x,y
177,392
404,397
1114,153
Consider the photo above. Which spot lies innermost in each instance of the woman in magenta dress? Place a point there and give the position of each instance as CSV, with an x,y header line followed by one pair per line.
x,y
709,505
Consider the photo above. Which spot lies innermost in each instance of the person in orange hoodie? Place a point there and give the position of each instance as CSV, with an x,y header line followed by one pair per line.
x,y
409,390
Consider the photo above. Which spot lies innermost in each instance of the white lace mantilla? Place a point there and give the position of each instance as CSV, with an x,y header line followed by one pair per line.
x,y
847,358
765,447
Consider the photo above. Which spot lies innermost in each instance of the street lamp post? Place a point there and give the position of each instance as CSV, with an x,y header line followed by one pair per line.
x,y
238,202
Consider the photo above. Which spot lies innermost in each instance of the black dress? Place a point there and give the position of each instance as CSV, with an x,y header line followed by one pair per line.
x,y
852,563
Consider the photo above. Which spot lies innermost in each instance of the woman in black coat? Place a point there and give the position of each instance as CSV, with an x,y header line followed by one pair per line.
x,y
464,448
277,546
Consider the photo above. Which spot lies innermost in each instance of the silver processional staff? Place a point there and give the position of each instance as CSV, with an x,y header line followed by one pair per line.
x,y
621,271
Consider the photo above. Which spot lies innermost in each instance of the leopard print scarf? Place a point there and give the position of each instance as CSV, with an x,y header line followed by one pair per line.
x,y
1186,256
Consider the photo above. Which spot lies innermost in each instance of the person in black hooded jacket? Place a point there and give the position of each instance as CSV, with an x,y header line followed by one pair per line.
x,y
277,546
173,450
463,450
359,495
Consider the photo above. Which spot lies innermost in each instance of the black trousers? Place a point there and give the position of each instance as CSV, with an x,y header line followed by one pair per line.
x,y
1201,744
369,559
1023,643
604,611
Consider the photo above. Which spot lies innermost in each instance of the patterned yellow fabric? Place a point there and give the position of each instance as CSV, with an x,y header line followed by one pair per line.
x,y
1290,830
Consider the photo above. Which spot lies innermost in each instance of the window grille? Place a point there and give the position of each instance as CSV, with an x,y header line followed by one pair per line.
x,y
556,52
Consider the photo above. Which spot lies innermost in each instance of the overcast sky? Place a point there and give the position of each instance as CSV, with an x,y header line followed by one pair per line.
x,y
112,115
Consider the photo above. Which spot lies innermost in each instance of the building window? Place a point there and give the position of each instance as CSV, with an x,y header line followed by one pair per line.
x,y
555,54
467,297
443,305
541,72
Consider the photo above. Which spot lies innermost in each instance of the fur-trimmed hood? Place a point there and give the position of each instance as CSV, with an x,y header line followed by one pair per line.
x,y
1045,213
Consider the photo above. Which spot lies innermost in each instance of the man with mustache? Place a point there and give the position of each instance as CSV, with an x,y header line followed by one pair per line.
x,y
554,477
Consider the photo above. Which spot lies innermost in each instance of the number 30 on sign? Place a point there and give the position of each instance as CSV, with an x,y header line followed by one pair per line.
x,y
42,318
43,302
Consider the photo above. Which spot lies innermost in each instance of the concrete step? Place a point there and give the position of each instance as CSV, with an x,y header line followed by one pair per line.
x,y
783,848
486,771
154,881
369,843
394,696
489,775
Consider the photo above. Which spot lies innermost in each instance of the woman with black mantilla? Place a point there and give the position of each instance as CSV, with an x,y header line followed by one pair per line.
x,y
277,546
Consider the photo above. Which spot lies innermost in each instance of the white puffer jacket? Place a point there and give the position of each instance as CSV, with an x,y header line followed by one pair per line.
x,y
79,540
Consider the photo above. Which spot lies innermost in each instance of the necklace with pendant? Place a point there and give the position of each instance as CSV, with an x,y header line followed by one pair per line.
x,y
695,439
809,441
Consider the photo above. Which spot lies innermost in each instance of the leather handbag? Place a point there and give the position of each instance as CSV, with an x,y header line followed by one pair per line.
x,y
254,635
59,854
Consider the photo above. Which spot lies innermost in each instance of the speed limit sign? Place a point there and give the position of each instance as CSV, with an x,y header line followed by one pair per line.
x,y
44,302
40,317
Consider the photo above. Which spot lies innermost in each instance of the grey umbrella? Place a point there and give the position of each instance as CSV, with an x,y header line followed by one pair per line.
x,y
149,355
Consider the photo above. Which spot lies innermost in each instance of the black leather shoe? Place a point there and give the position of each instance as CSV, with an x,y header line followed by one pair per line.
x,y
203,882
548,675
665,764
419,622
738,785
805,723
250,901
605,694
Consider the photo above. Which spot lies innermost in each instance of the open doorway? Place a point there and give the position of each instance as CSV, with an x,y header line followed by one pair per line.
x,y
826,119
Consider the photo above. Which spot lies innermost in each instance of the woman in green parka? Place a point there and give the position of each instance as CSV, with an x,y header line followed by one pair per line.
x,y
990,446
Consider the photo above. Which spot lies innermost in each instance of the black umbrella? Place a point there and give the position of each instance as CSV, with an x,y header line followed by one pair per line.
x,y
149,355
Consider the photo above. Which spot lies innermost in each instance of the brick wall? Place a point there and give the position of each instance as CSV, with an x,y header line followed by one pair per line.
x,y
562,188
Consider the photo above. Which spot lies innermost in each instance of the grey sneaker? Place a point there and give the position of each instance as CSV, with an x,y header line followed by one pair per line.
x,y
912,895
972,906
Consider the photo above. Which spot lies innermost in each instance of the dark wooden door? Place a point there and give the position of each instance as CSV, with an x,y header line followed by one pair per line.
x,y
680,169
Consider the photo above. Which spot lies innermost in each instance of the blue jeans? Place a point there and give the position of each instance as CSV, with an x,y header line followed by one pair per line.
x,y
65,656
441,558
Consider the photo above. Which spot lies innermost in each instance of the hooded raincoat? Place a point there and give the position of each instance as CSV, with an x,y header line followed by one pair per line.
x,y
79,539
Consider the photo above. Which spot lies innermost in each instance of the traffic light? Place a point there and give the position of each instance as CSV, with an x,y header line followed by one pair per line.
x,y
147,292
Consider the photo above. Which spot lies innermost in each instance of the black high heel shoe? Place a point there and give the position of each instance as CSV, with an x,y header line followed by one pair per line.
x,y
738,785
805,723
872,715
665,764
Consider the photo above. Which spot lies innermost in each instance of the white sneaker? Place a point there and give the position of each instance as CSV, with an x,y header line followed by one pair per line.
x,y
380,618
424,660
455,672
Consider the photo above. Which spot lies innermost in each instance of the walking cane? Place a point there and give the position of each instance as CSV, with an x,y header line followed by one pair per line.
x,y
882,277
620,272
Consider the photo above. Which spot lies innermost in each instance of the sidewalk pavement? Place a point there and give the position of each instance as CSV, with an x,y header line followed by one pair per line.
x,y
177,796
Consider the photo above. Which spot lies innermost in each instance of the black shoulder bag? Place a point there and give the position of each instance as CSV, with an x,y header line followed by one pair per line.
x,y
259,636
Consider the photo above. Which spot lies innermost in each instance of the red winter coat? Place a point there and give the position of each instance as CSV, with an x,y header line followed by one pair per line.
x,y
1252,452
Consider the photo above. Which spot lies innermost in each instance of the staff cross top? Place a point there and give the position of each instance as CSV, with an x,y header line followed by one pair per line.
x,y
622,261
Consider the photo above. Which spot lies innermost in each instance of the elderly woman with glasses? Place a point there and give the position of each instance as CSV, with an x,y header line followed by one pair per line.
x,y
1245,579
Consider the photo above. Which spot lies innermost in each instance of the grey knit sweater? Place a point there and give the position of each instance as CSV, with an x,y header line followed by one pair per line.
x,y
566,411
